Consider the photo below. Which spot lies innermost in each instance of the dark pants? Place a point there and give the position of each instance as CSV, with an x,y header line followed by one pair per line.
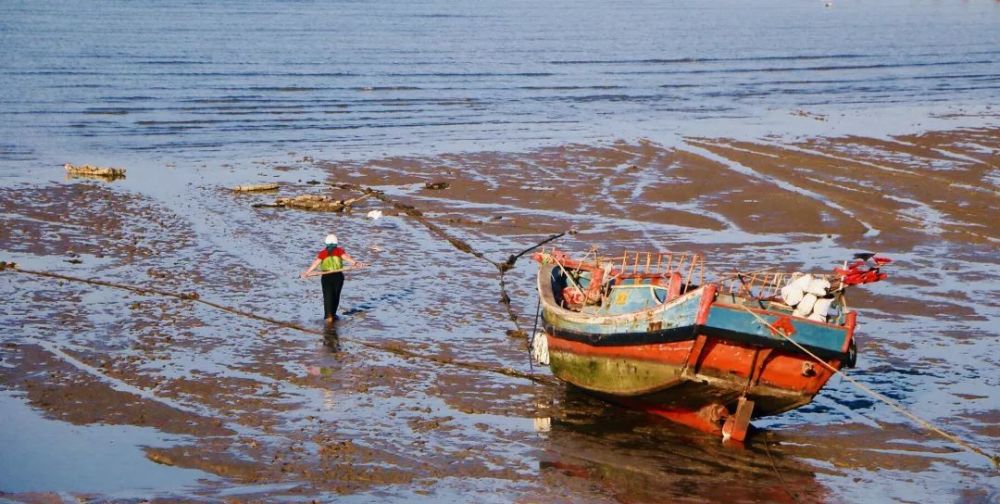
x,y
332,284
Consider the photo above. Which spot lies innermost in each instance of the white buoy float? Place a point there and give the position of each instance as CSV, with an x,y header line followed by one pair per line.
x,y
540,348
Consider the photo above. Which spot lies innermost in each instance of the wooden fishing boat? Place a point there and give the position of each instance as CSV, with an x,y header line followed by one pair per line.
x,y
647,331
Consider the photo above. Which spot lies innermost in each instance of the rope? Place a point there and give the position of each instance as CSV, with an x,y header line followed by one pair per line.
x,y
193,296
460,244
509,263
408,210
502,269
994,459
781,478
534,330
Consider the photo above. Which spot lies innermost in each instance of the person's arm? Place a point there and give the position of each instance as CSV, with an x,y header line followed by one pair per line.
x,y
351,262
312,266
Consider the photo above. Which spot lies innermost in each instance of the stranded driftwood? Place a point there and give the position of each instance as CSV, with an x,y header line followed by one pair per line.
x,y
315,202
94,171
256,187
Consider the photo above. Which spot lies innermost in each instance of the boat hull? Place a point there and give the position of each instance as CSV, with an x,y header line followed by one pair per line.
x,y
694,353
659,375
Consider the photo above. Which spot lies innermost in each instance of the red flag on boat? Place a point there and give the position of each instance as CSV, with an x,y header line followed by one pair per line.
x,y
864,269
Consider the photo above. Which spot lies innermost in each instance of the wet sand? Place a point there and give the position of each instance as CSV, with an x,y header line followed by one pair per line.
x,y
263,411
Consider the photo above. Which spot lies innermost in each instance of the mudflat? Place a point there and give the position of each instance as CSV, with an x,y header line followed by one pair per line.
x,y
424,387
164,347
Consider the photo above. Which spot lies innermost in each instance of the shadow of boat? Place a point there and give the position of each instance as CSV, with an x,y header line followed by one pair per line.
x,y
636,457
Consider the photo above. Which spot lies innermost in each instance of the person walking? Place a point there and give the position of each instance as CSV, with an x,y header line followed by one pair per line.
x,y
330,262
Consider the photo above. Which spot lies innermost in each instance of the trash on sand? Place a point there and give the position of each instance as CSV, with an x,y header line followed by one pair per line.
x,y
314,202
94,171
436,185
256,187
375,214
7,265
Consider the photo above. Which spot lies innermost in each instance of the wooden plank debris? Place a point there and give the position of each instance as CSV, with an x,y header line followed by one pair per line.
x,y
314,202
94,171
256,187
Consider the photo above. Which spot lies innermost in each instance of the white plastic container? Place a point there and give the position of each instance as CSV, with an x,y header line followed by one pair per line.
x,y
822,307
818,287
791,295
802,283
805,307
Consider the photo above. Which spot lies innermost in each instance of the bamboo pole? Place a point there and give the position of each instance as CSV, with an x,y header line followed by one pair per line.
x,y
694,258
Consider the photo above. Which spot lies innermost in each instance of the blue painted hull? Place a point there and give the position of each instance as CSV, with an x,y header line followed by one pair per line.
x,y
696,350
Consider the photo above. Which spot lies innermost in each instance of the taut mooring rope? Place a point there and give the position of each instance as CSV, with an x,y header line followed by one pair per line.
x,y
994,459
288,325
460,244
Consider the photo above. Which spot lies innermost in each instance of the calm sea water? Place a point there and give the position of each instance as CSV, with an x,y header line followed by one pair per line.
x,y
95,79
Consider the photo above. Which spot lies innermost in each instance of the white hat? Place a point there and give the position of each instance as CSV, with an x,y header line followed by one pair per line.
x,y
331,239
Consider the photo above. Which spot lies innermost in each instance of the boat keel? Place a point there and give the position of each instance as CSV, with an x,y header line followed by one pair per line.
x,y
707,419
712,419
736,426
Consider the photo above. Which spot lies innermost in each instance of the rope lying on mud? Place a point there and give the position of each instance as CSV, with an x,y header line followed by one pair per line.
x,y
994,459
781,478
194,297
461,245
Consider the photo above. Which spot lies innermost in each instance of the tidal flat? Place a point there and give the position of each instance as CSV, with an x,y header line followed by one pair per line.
x,y
194,365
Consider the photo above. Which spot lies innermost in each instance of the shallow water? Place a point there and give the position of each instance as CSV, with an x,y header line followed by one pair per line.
x,y
776,134
194,78
42,454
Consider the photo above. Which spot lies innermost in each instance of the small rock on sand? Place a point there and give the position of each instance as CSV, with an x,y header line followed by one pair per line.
x,y
436,185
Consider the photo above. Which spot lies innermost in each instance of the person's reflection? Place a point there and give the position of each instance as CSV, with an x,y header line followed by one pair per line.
x,y
330,338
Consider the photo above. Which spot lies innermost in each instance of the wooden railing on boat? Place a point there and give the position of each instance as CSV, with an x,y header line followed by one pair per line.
x,y
661,263
629,263
762,284
754,284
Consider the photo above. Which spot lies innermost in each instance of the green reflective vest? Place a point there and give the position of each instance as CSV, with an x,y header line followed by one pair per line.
x,y
331,263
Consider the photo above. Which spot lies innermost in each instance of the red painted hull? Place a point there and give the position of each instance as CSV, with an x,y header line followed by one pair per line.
x,y
707,360
719,373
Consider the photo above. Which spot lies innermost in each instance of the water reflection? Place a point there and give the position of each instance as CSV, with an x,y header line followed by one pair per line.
x,y
43,454
331,339
637,457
